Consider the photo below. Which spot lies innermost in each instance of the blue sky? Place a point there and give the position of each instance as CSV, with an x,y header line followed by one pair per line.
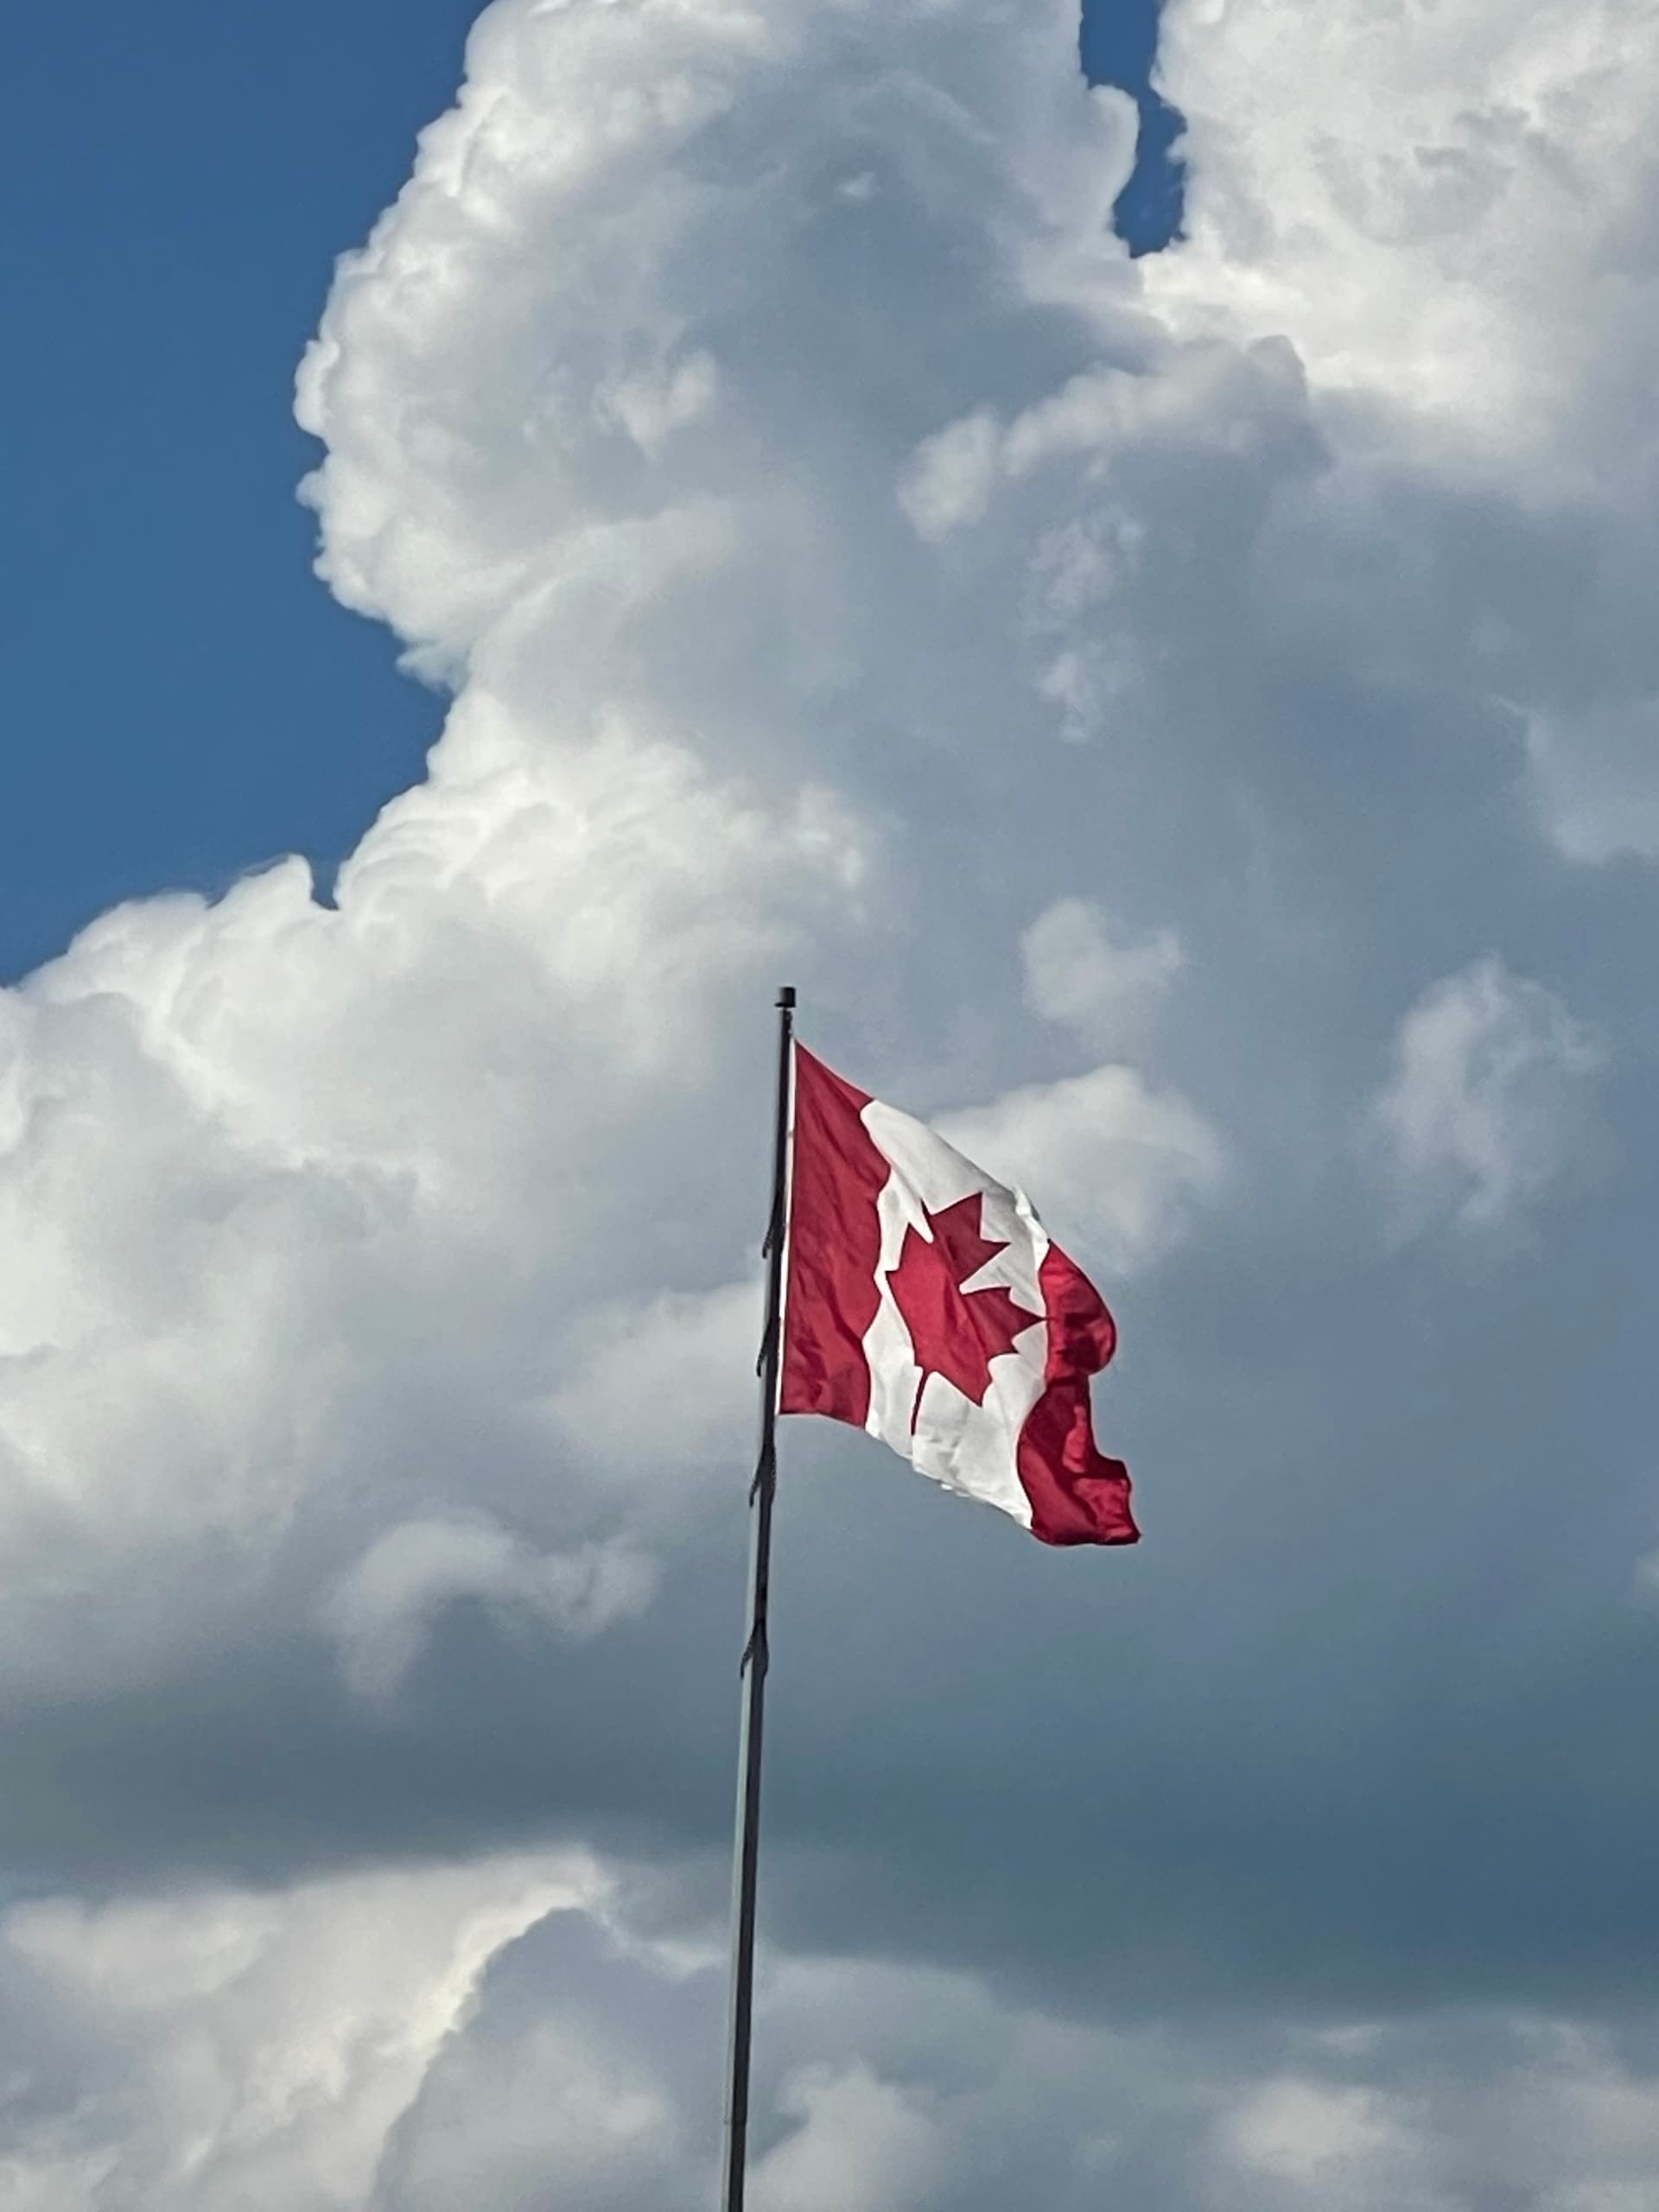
x,y
187,702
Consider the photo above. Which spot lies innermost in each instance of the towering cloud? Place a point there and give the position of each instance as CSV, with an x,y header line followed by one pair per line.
x,y
1183,724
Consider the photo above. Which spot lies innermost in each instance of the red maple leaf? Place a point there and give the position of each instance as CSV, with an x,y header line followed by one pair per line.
x,y
955,1332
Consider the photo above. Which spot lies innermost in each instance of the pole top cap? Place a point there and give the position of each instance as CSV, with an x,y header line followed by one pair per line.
x,y
786,994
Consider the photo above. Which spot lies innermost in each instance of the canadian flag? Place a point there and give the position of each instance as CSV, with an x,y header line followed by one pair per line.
x,y
925,1303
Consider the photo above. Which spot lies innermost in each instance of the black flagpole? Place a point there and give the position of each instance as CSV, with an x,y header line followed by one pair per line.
x,y
747,1843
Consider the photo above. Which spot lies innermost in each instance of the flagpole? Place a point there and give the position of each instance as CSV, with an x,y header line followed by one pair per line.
x,y
747,1840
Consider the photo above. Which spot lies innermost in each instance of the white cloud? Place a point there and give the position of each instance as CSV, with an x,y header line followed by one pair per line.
x,y
860,2145
223,2048
495,2032
652,404
1078,973
322,1222
749,412
381,1611
1444,205
284,1179
1122,1171
572,214
1478,1116
661,1390
951,475
1597,777
1446,211
555,2113
1320,2137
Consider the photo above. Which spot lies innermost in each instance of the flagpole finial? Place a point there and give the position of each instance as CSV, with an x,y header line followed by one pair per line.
x,y
786,994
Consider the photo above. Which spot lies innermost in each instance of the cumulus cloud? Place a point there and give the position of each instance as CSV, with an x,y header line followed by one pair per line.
x,y
226,2047
286,1178
380,1611
1077,972
499,2031
1476,1118
1347,2144
1448,210
696,1418
858,2144
847,563
1598,780
336,1228
1127,1167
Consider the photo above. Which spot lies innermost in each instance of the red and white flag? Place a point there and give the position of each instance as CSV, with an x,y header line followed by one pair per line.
x,y
926,1304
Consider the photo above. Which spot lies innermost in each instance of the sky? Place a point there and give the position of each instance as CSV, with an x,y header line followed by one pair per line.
x,y
195,705
1177,694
